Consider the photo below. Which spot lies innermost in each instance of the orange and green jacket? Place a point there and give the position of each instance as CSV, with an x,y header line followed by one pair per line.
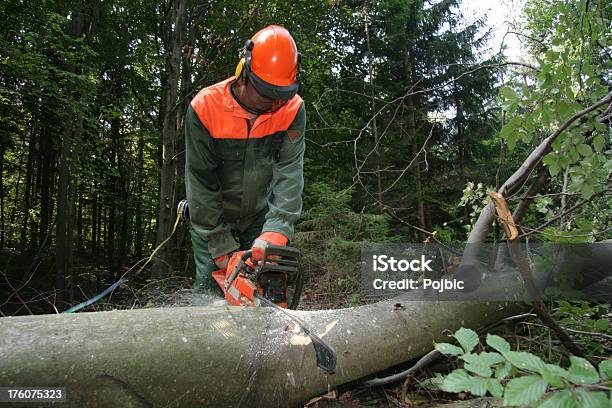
x,y
238,167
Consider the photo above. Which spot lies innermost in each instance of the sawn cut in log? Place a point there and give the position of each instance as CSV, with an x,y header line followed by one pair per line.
x,y
224,356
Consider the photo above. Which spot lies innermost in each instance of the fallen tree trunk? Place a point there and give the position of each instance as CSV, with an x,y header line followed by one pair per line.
x,y
233,356
218,356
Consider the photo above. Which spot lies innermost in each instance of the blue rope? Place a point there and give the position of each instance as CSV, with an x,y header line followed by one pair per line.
x,y
95,298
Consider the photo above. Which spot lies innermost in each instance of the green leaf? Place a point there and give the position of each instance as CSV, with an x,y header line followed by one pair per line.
x,y
601,325
449,349
467,338
605,369
525,135
553,374
503,370
476,365
479,386
552,161
495,387
590,399
587,191
498,343
582,372
585,150
524,360
457,381
598,143
573,154
524,390
433,383
508,131
561,399
508,93
491,358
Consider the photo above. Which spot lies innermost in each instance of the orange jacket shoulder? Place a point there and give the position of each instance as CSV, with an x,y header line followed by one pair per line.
x,y
209,103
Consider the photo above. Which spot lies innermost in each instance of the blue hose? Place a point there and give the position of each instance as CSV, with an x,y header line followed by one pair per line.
x,y
95,298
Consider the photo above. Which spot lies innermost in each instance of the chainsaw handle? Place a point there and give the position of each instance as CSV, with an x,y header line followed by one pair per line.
x,y
239,265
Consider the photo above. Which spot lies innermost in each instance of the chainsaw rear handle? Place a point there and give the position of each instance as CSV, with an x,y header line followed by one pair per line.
x,y
237,268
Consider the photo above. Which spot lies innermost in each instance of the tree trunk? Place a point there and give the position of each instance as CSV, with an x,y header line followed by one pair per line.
x,y
220,356
46,175
168,180
115,181
80,236
65,192
239,356
23,240
2,220
110,237
94,225
138,198
419,188
63,244
379,190
13,217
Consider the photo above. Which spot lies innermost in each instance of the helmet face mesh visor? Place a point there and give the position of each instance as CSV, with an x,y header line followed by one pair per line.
x,y
271,91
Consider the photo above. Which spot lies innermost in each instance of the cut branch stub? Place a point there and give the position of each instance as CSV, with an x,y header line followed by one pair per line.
x,y
505,215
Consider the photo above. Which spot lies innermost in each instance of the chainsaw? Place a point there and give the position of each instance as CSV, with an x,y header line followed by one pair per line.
x,y
275,281
276,277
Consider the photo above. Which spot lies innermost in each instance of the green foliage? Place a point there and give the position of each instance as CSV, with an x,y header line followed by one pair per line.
x,y
586,317
474,197
330,235
522,378
569,50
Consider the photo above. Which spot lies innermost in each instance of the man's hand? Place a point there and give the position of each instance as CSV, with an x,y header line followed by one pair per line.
x,y
265,239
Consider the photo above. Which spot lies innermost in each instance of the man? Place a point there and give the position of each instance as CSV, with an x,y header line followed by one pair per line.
x,y
244,146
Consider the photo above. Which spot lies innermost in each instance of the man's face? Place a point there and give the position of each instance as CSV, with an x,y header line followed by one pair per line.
x,y
252,99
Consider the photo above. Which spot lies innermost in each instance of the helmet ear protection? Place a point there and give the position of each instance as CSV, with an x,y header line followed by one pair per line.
x,y
239,68
246,59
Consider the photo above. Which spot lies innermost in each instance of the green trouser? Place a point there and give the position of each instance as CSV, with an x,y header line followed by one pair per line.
x,y
205,264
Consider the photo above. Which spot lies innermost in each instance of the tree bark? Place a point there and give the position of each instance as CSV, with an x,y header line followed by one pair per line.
x,y
2,220
168,180
65,192
80,236
94,224
13,216
46,175
379,189
220,356
23,240
138,198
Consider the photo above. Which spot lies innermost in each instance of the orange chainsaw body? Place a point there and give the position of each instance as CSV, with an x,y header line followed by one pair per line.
x,y
242,279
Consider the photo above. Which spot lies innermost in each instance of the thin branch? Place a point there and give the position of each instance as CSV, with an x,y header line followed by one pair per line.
x,y
592,334
423,361
538,304
537,185
563,214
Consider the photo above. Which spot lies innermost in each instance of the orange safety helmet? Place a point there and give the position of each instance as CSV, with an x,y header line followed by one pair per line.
x,y
271,63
